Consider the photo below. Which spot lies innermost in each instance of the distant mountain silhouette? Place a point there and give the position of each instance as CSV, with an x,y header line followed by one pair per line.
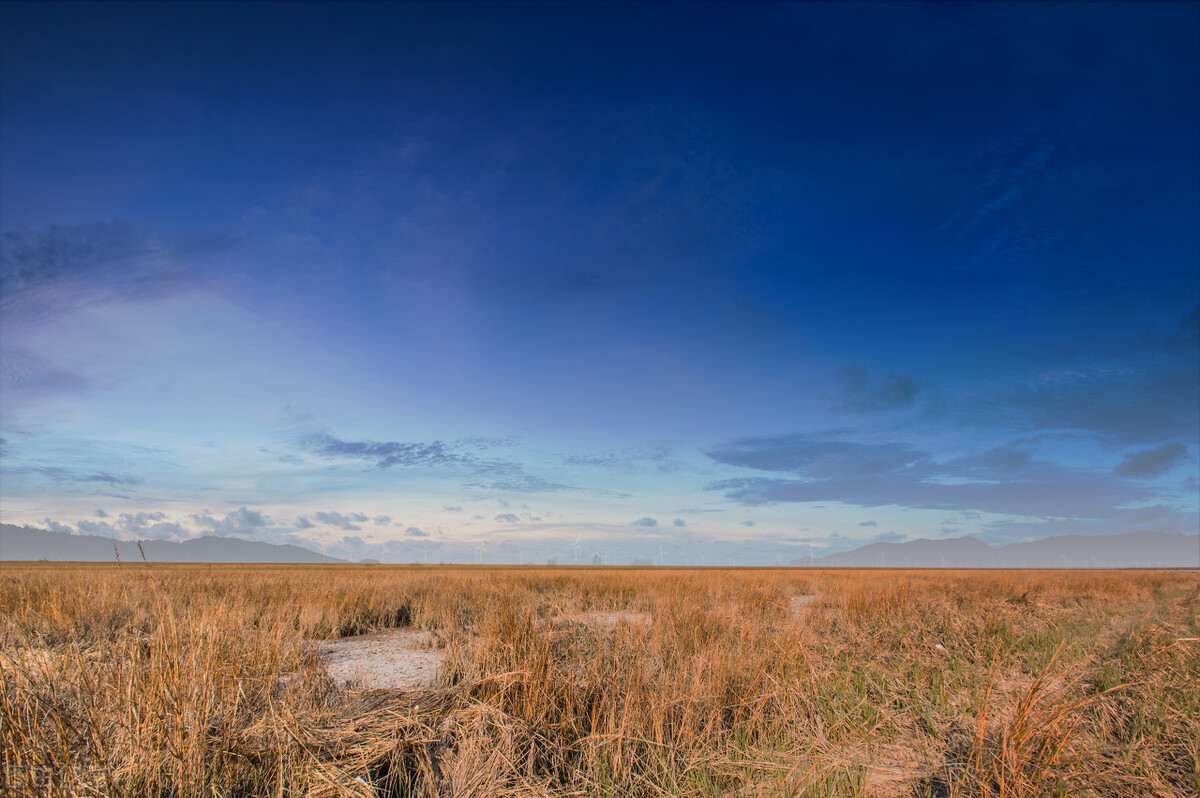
x,y
24,543
1131,550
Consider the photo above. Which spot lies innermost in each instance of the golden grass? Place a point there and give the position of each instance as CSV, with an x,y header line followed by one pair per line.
x,y
201,680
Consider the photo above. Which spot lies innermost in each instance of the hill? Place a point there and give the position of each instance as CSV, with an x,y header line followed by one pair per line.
x,y
1131,550
25,543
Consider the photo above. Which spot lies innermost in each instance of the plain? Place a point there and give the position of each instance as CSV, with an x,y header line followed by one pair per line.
x,y
195,680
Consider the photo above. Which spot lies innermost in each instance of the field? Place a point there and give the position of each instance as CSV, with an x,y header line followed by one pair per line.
x,y
164,680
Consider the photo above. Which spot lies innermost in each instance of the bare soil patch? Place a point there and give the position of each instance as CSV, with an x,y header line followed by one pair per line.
x,y
396,659
799,606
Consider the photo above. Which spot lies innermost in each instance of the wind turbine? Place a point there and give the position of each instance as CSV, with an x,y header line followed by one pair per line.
x,y
661,555
479,551
577,539
425,546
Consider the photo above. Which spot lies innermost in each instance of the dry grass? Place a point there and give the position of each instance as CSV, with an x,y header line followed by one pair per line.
x,y
197,680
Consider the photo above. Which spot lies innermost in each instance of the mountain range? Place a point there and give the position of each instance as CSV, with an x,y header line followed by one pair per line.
x,y
24,543
1130,550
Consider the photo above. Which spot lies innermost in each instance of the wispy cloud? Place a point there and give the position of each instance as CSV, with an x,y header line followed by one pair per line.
x,y
1129,390
47,272
816,457
1150,463
1015,209
861,393
517,482
23,372
871,475
66,475
659,457
385,454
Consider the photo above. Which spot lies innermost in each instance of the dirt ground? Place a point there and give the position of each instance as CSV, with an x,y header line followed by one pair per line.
x,y
799,606
395,659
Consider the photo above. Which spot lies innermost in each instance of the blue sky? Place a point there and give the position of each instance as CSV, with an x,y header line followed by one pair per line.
x,y
510,282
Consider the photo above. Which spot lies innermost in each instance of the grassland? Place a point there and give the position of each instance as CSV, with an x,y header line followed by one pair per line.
x,y
195,680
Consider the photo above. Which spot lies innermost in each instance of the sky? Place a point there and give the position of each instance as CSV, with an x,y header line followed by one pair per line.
x,y
680,283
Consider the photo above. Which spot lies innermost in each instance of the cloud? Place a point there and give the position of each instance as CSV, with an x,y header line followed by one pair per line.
x,y
861,394
65,476
524,483
817,458
1018,208
678,522
96,528
382,520
873,475
993,463
645,521
26,374
749,523
627,460
101,514
868,523
891,536
450,509
353,541
142,526
509,518
348,522
1151,463
48,272
1157,518
501,475
111,479
1123,390
416,532
55,526
239,523
1059,492
384,454
302,522
151,525
482,442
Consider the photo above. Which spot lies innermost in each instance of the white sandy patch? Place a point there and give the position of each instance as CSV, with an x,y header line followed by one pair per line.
x,y
395,659
799,606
